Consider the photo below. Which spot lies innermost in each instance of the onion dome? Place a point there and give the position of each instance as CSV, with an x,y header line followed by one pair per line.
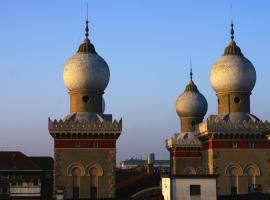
x,y
233,72
86,70
191,103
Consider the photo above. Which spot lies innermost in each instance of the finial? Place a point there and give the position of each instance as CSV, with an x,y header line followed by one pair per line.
x,y
232,30
86,27
190,65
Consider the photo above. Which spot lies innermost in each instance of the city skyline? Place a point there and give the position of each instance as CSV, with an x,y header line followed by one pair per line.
x,y
148,56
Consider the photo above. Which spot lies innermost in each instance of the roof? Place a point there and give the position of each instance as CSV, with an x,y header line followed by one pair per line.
x,y
45,163
130,182
190,176
17,161
144,162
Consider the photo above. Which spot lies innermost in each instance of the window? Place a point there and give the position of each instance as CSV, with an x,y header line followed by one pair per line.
x,y
3,190
76,144
234,145
93,192
251,145
237,100
35,182
85,99
93,144
195,190
76,193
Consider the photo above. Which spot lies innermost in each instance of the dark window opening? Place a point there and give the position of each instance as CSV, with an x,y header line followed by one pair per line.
x,y
192,123
195,190
93,144
3,190
251,145
234,145
236,100
76,144
76,193
35,182
233,190
93,192
85,99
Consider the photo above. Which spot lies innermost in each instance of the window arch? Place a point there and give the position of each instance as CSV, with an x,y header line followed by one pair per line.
x,y
76,179
189,170
94,171
251,170
76,170
234,170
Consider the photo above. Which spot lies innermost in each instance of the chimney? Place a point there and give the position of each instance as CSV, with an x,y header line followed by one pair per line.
x,y
150,163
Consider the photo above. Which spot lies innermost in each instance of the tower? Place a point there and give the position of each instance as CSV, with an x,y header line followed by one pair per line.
x,y
234,145
85,140
233,77
185,147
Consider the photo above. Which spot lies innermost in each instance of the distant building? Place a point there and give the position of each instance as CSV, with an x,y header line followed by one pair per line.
x,y
161,165
189,187
23,177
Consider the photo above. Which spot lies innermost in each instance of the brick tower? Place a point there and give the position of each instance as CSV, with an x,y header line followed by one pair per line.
x,y
85,140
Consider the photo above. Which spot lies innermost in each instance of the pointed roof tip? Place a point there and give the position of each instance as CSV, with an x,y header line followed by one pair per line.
x,y
232,31
86,22
232,49
87,46
191,87
190,73
86,29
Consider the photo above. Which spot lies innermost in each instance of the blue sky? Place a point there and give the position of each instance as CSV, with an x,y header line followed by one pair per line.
x,y
147,45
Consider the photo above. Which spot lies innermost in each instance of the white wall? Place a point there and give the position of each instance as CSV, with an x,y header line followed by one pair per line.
x,y
181,187
166,188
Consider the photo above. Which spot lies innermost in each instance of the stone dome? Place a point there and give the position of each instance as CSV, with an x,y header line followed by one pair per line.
x,y
86,70
233,72
191,103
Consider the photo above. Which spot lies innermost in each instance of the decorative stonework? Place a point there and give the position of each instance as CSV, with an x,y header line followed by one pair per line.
x,y
93,129
221,126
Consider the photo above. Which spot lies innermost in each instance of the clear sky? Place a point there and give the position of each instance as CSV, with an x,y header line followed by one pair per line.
x,y
147,45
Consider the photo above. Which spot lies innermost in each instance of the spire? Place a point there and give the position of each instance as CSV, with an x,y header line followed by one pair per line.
x,y
232,31
191,87
190,73
86,23
86,46
232,49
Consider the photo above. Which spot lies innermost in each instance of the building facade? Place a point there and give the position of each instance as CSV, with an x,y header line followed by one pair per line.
x,y
85,140
233,143
24,177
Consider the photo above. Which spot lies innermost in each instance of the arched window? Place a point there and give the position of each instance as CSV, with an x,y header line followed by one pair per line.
x,y
251,171
94,171
251,178
189,170
234,170
76,178
234,180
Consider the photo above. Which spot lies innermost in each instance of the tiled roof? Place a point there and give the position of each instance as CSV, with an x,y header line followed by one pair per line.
x,y
45,163
15,160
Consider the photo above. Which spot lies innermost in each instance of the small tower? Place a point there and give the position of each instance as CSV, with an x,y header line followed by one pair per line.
x,y
233,77
85,140
185,147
